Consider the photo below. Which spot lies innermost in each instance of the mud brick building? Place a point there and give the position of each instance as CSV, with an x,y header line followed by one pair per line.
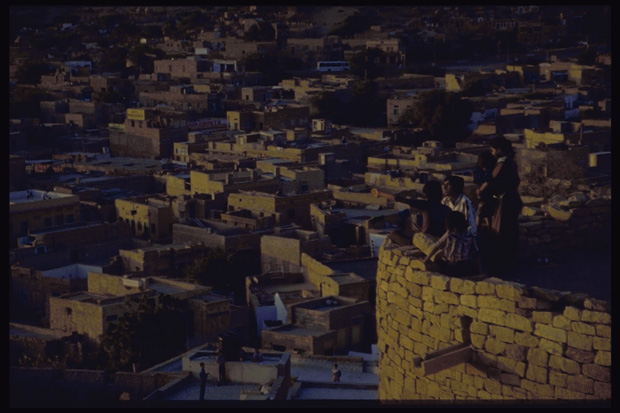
x,y
282,251
33,209
273,117
291,209
321,326
148,217
148,133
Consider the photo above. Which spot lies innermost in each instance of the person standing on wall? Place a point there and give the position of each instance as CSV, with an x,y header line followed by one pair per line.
x,y
504,186
487,204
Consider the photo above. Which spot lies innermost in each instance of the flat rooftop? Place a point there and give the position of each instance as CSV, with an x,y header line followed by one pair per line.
x,y
33,195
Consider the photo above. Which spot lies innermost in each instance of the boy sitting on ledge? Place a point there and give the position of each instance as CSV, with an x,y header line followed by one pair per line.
x,y
458,248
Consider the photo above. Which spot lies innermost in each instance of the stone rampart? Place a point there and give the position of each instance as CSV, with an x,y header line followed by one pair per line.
x,y
566,224
443,338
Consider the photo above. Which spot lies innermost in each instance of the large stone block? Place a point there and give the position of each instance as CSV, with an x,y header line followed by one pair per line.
x,y
510,291
580,383
469,300
439,282
583,328
504,334
596,372
420,277
406,343
487,301
543,317
562,393
510,379
572,313
494,346
469,287
564,364
602,390
528,303
448,298
478,340
536,373
485,288
551,347
403,317
479,328
551,333
601,343
579,341
557,378
537,357
579,356
492,316
428,294
456,285
518,322
536,390
559,321
493,386
603,358
516,352
595,317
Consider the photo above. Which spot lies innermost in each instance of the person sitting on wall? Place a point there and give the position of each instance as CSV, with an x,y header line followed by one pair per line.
x,y
457,245
427,216
457,201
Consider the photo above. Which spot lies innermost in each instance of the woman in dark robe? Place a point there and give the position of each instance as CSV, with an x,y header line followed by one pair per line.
x,y
504,186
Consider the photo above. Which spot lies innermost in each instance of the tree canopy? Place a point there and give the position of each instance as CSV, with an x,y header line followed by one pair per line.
x,y
223,270
444,115
30,72
154,331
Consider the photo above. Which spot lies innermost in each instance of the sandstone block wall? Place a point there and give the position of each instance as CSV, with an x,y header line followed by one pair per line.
x,y
567,224
528,343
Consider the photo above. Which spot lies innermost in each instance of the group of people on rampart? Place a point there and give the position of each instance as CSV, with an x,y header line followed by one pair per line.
x,y
464,239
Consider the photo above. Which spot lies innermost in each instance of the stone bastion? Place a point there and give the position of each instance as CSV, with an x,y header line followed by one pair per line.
x,y
443,338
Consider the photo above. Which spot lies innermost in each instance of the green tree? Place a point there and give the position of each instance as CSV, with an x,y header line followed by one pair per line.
x,y
195,20
30,72
115,60
329,106
25,102
261,32
154,330
366,64
352,25
267,64
223,270
587,57
444,115
366,105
